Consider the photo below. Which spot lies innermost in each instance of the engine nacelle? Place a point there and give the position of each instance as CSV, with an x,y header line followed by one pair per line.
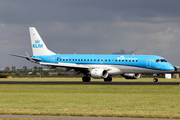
x,y
131,76
99,73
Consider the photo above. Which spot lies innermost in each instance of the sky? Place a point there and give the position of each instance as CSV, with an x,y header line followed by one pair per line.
x,y
142,27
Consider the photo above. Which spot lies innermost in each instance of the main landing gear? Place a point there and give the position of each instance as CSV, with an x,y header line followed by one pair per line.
x,y
108,79
86,79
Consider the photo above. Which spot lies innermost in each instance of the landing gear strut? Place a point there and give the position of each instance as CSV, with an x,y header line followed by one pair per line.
x,y
108,79
86,79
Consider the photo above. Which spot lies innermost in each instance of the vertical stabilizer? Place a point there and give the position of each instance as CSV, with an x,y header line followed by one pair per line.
x,y
37,44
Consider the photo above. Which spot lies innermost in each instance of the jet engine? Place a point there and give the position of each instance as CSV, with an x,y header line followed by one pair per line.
x,y
131,76
99,73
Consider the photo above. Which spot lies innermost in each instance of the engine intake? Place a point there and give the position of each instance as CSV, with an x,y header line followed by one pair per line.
x,y
99,73
131,76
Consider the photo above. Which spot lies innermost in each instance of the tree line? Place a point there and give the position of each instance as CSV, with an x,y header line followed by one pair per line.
x,y
36,72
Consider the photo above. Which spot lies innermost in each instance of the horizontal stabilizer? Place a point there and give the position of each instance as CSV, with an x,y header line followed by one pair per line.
x,y
23,56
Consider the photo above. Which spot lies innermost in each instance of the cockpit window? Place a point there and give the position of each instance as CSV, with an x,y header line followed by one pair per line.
x,y
161,60
157,60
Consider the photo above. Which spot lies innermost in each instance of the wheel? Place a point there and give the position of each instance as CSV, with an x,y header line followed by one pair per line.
x,y
108,79
155,80
86,79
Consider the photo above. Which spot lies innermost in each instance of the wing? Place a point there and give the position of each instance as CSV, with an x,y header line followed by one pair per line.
x,y
174,72
67,65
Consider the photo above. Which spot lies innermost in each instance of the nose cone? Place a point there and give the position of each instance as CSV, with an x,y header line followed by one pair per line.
x,y
169,67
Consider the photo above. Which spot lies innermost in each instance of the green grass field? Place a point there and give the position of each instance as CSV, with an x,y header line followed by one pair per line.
x,y
147,101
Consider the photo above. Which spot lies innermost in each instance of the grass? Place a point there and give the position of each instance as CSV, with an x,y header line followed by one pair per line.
x,y
144,101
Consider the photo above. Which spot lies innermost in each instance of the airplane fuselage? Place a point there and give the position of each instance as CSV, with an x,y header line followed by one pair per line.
x,y
123,63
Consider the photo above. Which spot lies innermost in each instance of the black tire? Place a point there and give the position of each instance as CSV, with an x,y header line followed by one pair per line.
x,y
108,79
86,79
155,80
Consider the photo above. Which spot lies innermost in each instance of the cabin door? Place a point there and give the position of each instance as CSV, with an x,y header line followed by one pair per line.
x,y
148,63
53,60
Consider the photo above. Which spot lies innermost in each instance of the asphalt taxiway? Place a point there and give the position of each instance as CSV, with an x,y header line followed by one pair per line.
x,y
87,83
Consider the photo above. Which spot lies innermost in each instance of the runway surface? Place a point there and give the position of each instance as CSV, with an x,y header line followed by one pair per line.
x,y
87,83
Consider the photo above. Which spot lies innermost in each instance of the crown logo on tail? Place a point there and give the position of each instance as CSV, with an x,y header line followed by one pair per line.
x,y
37,41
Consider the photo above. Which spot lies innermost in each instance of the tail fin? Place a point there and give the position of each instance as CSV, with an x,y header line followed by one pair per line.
x,y
38,46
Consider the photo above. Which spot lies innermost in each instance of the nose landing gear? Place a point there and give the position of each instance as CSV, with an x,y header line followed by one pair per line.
x,y
155,79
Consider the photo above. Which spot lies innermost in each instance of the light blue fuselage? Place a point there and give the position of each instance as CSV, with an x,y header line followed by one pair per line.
x,y
123,63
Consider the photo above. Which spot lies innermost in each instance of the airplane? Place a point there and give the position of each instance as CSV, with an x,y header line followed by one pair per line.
x,y
97,66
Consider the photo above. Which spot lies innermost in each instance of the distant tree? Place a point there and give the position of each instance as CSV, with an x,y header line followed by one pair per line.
x,y
17,74
45,73
35,68
7,69
40,71
13,68
24,68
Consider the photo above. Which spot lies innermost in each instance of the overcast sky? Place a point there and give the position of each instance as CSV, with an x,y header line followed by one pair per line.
x,y
90,27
